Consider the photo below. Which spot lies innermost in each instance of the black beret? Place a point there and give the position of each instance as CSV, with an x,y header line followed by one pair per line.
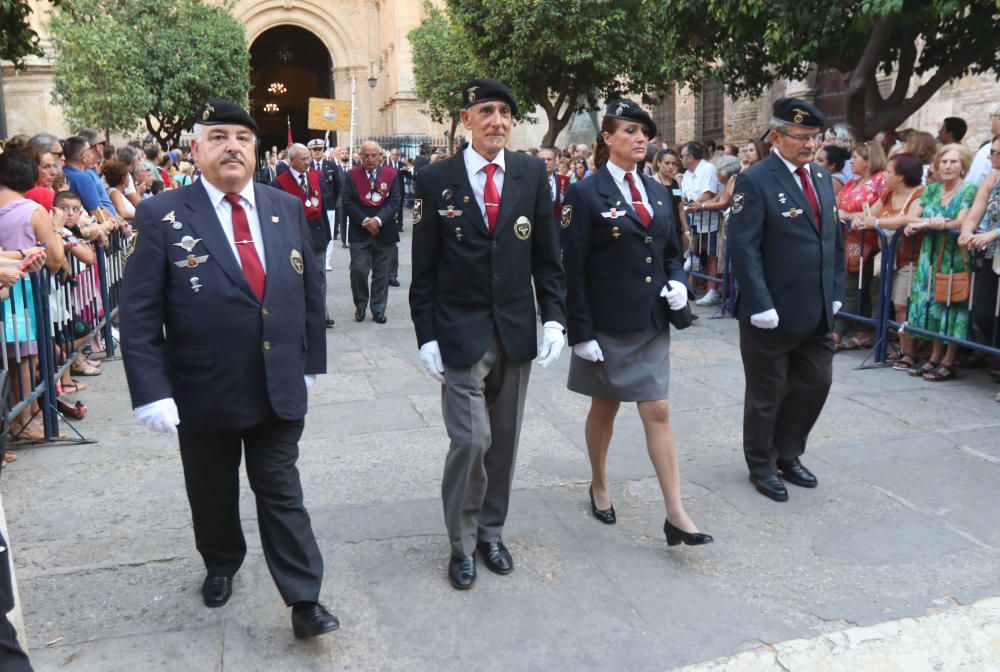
x,y
629,110
486,90
220,111
797,112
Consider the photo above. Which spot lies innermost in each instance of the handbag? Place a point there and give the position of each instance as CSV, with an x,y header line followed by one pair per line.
x,y
951,288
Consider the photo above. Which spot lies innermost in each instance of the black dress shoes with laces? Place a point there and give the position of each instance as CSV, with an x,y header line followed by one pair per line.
x,y
462,571
606,516
359,315
329,323
310,619
770,486
379,318
496,557
796,473
394,282
217,590
676,535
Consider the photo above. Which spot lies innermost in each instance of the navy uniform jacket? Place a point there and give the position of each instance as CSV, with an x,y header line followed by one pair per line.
x,y
466,284
329,186
228,359
386,211
780,259
615,266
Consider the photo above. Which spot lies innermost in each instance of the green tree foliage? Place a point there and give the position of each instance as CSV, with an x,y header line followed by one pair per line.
x,y
120,64
747,45
441,67
564,55
17,39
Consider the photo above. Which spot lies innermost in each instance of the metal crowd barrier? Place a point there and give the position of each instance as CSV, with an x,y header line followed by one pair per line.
x,y
48,320
883,319
727,280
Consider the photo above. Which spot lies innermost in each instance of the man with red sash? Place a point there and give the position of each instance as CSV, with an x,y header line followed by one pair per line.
x,y
372,200
303,182
558,184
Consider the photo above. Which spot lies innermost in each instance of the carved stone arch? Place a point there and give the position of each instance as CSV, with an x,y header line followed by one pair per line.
x,y
315,17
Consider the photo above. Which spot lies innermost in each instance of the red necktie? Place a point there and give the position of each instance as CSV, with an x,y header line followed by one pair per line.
x,y
807,189
640,207
252,268
491,196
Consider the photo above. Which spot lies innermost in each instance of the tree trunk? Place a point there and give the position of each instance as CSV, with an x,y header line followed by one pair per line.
x,y
451,136
556,124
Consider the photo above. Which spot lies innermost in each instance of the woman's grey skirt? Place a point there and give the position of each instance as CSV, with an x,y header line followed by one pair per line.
x,y
636,367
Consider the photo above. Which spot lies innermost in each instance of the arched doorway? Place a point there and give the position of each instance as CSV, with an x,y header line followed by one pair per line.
x,y
289,66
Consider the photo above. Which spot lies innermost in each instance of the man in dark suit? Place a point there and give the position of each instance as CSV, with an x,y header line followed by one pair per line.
x,y
329,184
372,201
222,333
397,163
787,249
482,232
304,182
344,166
558,184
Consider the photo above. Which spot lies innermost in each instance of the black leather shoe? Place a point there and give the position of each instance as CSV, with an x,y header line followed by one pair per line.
x,y
462,571
359,315
496,557
329,323
770,486
606,516
394,283
796,473
310,619
379,318
217,590
676,535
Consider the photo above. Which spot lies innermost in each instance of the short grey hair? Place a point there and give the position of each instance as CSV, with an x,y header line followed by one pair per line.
x,y
296,148
89,134
43,142
728,165
126,154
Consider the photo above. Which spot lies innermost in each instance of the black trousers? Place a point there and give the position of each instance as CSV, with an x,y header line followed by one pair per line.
x,y
788,377
12,656
984,302
211,474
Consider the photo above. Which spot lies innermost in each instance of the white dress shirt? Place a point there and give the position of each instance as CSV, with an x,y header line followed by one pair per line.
x,y
981,165
474,164
700,180
297,176
792,168
224,211
618,175
553,186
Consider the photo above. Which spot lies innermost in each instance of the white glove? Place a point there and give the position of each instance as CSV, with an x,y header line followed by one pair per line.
x,y
310,379
766,320
159,416
676,295
430,357
589,350
687,262
837,305
552,343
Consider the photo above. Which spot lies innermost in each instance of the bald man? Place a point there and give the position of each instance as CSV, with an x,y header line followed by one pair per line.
x,y
372,200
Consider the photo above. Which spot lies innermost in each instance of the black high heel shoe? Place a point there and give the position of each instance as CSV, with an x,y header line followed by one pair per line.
x,y
606,516
675,536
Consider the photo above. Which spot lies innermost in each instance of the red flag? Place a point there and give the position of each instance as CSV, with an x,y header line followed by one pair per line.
x,y
290,141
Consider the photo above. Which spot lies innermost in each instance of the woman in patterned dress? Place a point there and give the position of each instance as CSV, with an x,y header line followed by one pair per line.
x,y
942,208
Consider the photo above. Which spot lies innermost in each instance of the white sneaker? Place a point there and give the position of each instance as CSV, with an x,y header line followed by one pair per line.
x,y
711,298
329,268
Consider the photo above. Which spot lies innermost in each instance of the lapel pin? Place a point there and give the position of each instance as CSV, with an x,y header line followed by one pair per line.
x,y
615,233
195,285
275,219
465,199
187,243
659,202
191,261
446,194
458,233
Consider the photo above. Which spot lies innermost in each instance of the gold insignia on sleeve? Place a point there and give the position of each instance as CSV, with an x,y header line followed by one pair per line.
x,y
567,216
418,210
737,203
522,228
295,258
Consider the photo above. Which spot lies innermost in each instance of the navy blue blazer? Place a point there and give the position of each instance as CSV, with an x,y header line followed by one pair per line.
x,y
387,211
468,284
199,334
615,266
781,259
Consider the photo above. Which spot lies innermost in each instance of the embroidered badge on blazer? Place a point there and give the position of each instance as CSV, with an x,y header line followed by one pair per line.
x,y
522,228
418,210
737,203
567,216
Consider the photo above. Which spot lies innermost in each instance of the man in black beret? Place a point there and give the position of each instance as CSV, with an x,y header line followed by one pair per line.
x,y
482,232
223,331
787,248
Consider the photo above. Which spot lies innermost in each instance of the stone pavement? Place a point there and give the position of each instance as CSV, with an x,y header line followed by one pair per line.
x,y
901,532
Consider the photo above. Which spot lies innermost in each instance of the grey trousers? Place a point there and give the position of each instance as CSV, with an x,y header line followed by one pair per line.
x,y
394,262
482,406
369,257
321,265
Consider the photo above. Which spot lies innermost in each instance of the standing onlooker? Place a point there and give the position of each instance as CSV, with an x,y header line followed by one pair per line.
x,y
666,169
952,130
924,146
865,189
753,152
700,185
942,207
834,158
981,165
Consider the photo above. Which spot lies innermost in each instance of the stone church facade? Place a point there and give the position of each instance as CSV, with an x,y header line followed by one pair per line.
x,y
318,47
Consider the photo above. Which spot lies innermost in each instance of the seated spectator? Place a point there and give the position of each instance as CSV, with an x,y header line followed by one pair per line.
x,y
980,232
891,212
941,208
864,190
834,158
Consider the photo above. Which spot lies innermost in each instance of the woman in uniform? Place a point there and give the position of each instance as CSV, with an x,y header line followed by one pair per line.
x,y
624,277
